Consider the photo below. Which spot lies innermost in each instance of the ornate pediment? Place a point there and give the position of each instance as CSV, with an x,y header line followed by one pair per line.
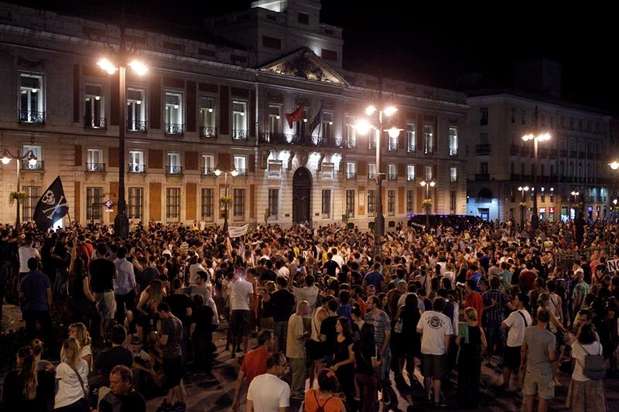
x,y
305,64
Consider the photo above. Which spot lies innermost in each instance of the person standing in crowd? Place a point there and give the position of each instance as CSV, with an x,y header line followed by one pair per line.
x,y
170,339
344,359
295,349
72,378
268,392
282,304
124,285
538,354
116,355
495,303
325,398
254,364
102,274
241,296
381,323
471,341
24,388
516,324
26,251
122,396
36,300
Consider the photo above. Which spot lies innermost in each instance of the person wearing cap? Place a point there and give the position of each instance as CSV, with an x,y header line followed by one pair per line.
x,y
516,323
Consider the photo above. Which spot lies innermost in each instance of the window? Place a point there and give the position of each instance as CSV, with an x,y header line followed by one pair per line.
x,y
136,161
173,203
33,193
393,143
392,171
240,163
411,136
275,123
174,113
327,170
31,98
391,202
329,54
275,169
372,171
94,203
239,120
483,168
94,107
326,203
273,202
453,174
410,173
207,204
207,117
136,121
271,42
428,138
350,135
428,173
136,203
452,201
372,139
453,140
174,163
326,132
483,116
351,170
409,201
239,203
350,202
303,18
37,153
208,164
371,202
95,160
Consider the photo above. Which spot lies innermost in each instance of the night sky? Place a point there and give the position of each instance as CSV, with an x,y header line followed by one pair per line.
x,y
438,44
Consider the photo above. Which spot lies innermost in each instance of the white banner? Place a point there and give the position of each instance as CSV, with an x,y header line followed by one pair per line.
x,y
613,265
237,231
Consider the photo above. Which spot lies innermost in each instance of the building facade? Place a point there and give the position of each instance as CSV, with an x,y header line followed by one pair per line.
x,y
574,160
206,105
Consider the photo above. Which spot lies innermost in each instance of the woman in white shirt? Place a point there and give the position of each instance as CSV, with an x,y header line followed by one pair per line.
x,y
80,333
72,378
585,394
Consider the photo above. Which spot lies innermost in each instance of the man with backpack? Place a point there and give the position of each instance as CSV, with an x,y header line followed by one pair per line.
x,y
516,324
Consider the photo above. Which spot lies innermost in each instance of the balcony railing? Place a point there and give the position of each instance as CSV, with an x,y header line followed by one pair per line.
x,y
208,172
174,129
95,167
392,177
239,134
95,122
137,126
351,176
483,149
208,132
34,166
31,117
136,168
173,170
273,138
241,172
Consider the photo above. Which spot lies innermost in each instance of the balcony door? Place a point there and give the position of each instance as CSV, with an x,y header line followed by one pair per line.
x,y
301,193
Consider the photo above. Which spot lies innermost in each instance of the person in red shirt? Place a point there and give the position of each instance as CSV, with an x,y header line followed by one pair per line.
x,y
254,364
473,298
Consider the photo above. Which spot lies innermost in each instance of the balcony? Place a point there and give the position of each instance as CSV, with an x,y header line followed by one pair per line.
x,y
300,140
173,170
95,167
273,138
392,177
135,126
208,132
30,117
482,177
351,176
95,123
174,129
136,168
207,172
482,149
241,172
32,166
239,134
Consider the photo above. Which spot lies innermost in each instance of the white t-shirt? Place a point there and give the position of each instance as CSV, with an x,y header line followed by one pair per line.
x,y
309,293
515,335
193,272
25,253
283,271
578,353
338,259
240,290
434,326
268,393
69,388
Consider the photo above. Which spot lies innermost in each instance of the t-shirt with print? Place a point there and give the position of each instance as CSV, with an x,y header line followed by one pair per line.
x,y
381,322
434,326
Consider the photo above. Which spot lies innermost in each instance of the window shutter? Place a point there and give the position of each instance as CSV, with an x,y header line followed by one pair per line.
x,y
155,105
78,155
190,201
402,170
224,161
401,200
362,167
155,159
191,106
113,156
154,201
191,160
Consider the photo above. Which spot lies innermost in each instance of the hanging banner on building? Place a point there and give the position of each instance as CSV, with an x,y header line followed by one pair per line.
x,y
237,231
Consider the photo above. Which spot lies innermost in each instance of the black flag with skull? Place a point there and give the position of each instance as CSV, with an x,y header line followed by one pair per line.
x,y
52,206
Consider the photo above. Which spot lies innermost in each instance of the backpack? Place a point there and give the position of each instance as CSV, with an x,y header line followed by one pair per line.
x,y
594,367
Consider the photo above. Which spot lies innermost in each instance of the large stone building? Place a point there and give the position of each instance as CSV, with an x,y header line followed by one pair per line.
x,y
217,102
575,159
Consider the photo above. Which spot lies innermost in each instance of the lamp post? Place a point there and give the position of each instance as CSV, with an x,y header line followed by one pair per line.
x,y
32,161
121,222
536,138
522,190
232,173
427,201
363,126
573,199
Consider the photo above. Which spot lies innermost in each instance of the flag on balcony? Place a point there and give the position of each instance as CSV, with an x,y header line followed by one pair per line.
x,y
316,121
52,206
295,116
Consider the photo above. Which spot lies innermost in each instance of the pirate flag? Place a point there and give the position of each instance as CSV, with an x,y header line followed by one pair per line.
x,y
52,206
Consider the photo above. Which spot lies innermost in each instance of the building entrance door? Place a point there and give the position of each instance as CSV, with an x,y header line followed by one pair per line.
x,y
301,196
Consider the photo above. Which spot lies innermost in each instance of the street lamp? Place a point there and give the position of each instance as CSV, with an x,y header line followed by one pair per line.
x,y
542,137
226,199
121,222
614,165
427,201
363,126
573,199
522,190
32,162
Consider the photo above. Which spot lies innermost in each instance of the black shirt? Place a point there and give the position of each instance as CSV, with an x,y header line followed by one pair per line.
x,y
102,272
117,355
268,275
332,267
131,402
282,302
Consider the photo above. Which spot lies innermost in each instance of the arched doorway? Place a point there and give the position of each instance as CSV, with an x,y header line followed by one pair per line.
x,y
301,196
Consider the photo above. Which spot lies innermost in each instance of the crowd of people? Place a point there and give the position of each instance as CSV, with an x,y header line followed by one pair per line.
x,y
314,315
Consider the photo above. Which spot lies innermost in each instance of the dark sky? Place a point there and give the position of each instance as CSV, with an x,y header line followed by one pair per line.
x,y
439,43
